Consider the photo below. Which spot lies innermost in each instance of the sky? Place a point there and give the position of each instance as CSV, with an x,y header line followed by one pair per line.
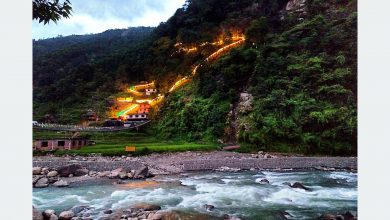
x,y
95,16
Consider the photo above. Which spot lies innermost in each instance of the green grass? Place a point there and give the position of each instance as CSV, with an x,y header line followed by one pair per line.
x,y
113,143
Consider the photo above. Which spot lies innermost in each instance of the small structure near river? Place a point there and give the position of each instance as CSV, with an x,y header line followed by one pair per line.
x,y
60,143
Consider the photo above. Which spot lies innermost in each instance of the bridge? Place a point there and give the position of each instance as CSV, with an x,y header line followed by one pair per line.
x,y
79,128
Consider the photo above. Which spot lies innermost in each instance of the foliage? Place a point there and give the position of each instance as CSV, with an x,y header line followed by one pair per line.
x,y
50,10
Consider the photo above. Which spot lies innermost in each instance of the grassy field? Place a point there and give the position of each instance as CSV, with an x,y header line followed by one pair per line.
x,y
113,143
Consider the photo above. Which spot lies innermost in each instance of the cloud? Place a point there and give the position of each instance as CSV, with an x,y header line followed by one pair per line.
x,y
94,16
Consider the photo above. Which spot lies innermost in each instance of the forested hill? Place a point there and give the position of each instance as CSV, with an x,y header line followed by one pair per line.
x,y
290,88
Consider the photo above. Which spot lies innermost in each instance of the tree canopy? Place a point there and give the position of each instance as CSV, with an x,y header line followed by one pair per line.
x,y
50,10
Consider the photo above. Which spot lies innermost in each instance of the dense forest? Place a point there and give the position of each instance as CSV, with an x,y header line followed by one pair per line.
x,y
292,87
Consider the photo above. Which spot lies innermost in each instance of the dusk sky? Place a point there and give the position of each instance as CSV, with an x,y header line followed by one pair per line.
x,y
95,16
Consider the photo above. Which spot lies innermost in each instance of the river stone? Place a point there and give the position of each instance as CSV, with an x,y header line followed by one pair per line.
x,y
141,173
299,186
61,183
103,174
262,181
53,217
147,207
37,215
77,209
36,170
208,207
52,174
81,172
109,211
122,175
47,213
66,215
35,179
67,170
114,173
42,182
130,175
155,216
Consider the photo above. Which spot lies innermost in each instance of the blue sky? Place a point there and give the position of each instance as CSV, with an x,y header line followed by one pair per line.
x,y
95,16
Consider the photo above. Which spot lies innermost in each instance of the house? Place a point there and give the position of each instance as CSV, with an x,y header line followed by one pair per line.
x,y
137,117
60,144
150,91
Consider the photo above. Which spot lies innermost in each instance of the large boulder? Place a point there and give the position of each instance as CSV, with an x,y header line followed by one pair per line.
x,y
53,217
66,215
37,215
36,170
262,181
47,213
61,183
77,209
327,217
141,173
52,173
42,182
66,170
81,172
208,207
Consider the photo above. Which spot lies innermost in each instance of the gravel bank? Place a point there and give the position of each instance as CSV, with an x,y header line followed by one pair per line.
x,y
173,163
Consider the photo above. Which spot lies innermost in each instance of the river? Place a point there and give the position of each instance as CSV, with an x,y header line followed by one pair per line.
x,y
238,194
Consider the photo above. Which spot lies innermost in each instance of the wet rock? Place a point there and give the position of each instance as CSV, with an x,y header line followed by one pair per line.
x,y
37,215
52,173
109,211
81,172
299,185
61,183
155,216
35,179
147,207
284,215
36,170
66,215
42,182
340,217
130,175
76,218
262,181
77,209
47,213
67,170
349,216
208,207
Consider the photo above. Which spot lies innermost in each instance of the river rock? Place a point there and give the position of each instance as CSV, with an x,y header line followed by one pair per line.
x,y
115,173
36,215
146,207
122,175
77,209
208,207
130,175
61,183
141,173
66,215
155,216
36,170
228,217
53,217
81,172
299,186
67,170
103,174
109,211
35,179
42,182
52,173
47,213
262,181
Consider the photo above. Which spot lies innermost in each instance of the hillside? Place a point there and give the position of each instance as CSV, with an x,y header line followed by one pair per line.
x,y
290,88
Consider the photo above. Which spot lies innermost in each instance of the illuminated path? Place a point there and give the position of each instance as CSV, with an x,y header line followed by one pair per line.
x,y
133,90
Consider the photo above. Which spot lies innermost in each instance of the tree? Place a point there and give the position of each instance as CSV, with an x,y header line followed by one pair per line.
x,y
257,30
50,10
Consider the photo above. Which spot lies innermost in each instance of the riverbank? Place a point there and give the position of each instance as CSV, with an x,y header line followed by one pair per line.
x,y
175,163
